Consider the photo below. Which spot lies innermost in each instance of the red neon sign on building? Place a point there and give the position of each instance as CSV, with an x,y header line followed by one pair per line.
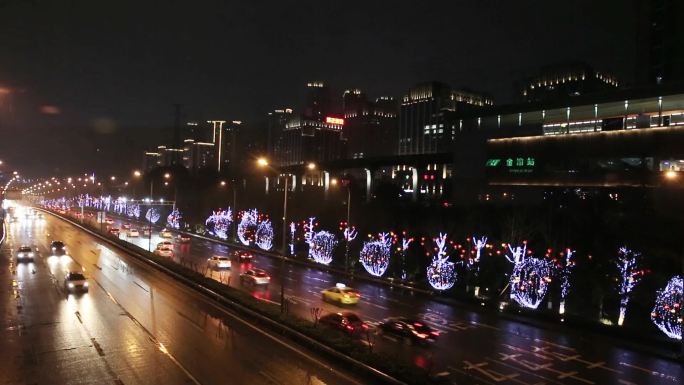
x,y
331,120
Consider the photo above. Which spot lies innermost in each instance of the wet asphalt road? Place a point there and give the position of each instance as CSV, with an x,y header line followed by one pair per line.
x,y
134,325
473,347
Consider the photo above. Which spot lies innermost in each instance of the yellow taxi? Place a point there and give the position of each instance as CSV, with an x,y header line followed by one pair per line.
x,y
341,294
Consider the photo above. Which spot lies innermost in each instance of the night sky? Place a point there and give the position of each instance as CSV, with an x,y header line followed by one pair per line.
x,y
88,84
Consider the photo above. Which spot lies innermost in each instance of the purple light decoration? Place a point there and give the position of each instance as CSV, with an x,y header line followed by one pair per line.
x,y
667,311
441,273
152,215
629,277
405,243
133,210
349,234
219,222
264,235
174,219
247,226
375,255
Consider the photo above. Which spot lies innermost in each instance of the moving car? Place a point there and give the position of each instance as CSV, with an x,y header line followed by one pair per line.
x,y
345,321
219,262
244,256
126,225
109,221
255,277
25,253
164,252
58,248
114,231
183,238
75,281
147,232
341,294
165,234
133,233
410,330
166,244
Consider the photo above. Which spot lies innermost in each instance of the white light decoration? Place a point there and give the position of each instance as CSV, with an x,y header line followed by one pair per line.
x,y
629,277
530,277
133,210
264,235
667,312
120,206
219,222
321,247
321,244
441,273
107,203
152,215
479,244
174,219
247,227
375,255
405,243
293,231
565,271
350,234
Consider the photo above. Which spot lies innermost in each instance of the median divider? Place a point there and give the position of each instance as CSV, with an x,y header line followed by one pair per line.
x,y
333,344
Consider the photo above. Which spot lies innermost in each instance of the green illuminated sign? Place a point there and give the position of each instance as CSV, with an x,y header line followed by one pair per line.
x,y
512,162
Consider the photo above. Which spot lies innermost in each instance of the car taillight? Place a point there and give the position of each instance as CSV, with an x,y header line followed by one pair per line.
x,y
349,327
365,326
435,333
422,335
269,278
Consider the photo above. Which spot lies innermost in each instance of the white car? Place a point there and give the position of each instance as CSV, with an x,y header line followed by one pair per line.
x,y
255,277
165,234
133,233
75,281
219,262
167,244
164,252
25,253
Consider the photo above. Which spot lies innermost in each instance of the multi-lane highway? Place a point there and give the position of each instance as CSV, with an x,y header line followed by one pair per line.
x,y
133,326
472,347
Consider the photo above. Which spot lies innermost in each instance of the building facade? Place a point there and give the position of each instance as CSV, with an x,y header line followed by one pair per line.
x,y
563,81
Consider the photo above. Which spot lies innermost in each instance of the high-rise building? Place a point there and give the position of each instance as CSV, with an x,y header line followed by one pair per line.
x,y
311,140
419,129
275,126
370,127
660,52
198,155
562,81
318,102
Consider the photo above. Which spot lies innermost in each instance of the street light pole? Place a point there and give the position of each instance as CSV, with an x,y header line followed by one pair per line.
x,y
284,248
235,211
346,237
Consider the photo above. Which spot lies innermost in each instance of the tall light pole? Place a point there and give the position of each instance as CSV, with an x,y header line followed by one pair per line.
x,y
262,162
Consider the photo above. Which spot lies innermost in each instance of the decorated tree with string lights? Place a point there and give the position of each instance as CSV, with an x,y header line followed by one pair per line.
x,y
152,215
174,219
264,235
321,243
403,250
247,227
375,255
667,311
564,270
441,273
219,222
530,278
133,210
629,276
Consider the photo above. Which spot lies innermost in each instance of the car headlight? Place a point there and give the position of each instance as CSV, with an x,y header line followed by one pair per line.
x,y
71,285
30,254
85,284
54,248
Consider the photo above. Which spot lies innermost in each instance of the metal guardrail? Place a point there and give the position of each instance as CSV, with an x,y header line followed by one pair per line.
x,y
235,305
